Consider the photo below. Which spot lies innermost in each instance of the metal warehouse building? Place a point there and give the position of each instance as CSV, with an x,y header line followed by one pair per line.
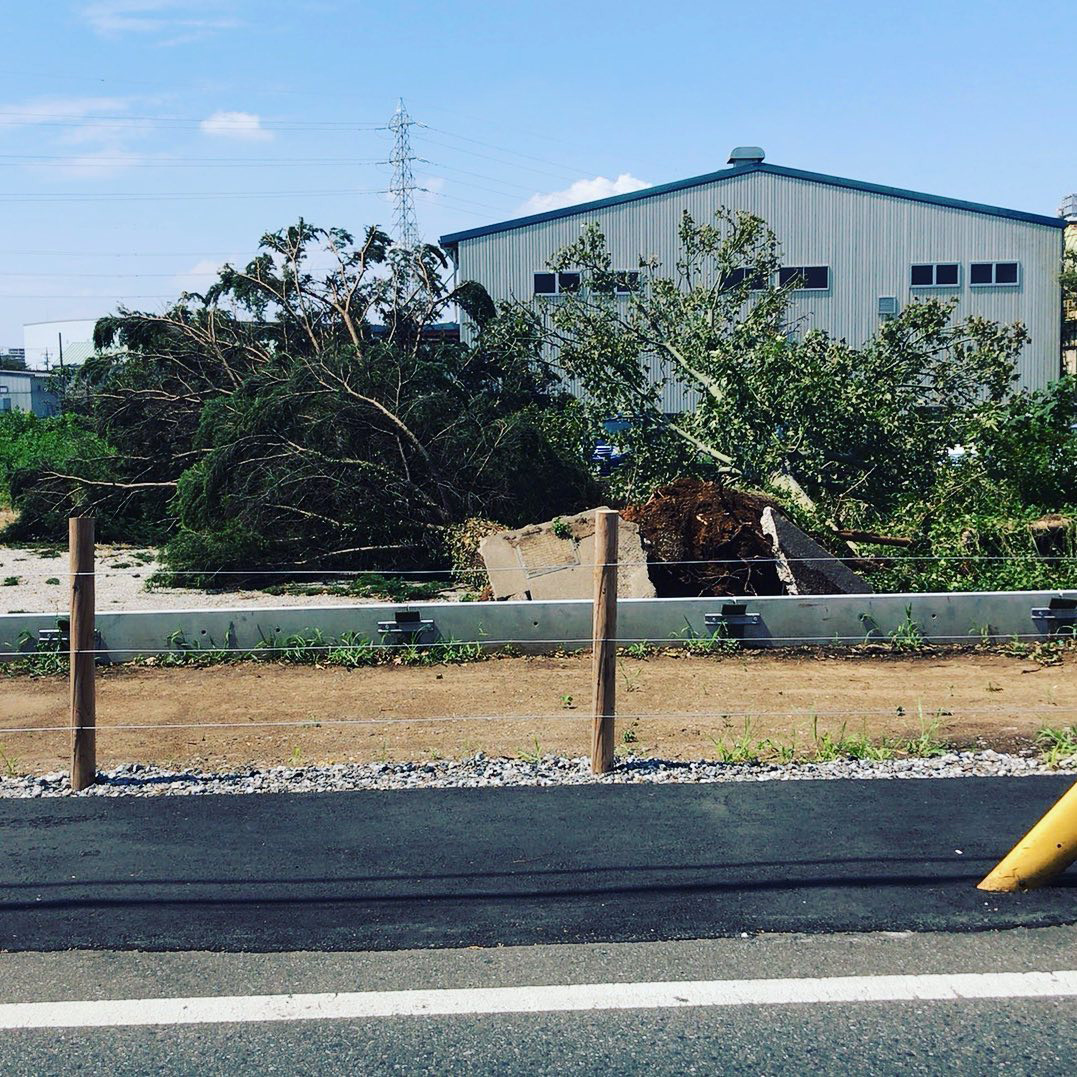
x,y
860,250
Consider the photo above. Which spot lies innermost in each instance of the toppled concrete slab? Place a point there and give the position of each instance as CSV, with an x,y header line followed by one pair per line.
x,y
804,567
555,560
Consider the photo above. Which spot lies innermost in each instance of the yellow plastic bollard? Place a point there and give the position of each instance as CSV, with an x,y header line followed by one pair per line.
x,y
1044,852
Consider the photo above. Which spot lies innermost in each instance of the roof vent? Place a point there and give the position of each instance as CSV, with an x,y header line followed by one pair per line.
x,y
747,155
1068,209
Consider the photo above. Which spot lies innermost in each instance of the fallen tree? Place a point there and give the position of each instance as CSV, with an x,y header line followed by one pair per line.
x,y
859,430
306,409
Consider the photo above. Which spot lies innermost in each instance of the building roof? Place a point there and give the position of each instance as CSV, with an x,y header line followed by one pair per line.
x,y
453,238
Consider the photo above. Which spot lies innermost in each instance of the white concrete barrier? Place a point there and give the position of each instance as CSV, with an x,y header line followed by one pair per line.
x,y
535,627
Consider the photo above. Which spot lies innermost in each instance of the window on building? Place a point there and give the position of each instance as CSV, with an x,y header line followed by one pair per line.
x,y
616,282
1005,274
545,284
935,275
757,281
568,282
805,278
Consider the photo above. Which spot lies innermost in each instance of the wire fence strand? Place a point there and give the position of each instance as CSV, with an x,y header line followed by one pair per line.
x,y
581,715
715,642
449,574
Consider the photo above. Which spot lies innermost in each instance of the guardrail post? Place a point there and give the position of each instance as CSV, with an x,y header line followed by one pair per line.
x,y
604,641
81,632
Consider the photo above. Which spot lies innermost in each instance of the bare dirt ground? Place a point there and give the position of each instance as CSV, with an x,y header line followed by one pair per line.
x,y
34,580
669,706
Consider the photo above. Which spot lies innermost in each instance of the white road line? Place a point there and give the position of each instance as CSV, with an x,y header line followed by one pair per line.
x,y
108,1013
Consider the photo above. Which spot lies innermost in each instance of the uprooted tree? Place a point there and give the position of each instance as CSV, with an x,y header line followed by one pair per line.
x,y
859,430
306,408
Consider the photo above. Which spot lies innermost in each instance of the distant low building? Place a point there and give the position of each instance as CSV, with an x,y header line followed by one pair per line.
x,y
28,390
854,254
48,345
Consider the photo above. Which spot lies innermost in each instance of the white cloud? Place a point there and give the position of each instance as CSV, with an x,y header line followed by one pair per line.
x,y
199,277
243,125
588,190
185,20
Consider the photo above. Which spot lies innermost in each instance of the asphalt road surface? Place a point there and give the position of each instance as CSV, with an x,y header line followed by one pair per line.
x,y
826,926
460,867
959,1035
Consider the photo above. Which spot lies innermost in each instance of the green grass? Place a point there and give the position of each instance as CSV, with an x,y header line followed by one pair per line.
x,y
314,648
1057,746
9,764
828,746
44,660
718,642
909,634
534,757
742,749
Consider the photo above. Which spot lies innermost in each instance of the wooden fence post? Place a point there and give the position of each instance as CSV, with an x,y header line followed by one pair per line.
x,y
604,641
82,647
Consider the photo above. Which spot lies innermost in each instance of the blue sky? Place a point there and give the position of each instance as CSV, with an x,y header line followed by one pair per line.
x,y
144,142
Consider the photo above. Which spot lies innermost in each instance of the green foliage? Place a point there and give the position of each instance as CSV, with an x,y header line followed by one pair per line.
x,y
32,448
297,418
829,746
43,659
312,647
982,526
742,749
718,642
1058,746
1031,445
366,585
908,636
768,403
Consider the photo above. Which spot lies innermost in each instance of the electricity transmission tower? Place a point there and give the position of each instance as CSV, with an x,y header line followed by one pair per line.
x,y
402,186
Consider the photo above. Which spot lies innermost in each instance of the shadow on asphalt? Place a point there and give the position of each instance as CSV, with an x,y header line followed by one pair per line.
x,y
430,868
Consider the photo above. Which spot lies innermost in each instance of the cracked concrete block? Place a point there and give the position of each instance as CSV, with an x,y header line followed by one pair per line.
x,y
555,560
804,567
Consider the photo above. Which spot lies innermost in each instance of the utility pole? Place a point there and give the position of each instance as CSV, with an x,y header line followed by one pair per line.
x,y
63,380
402,185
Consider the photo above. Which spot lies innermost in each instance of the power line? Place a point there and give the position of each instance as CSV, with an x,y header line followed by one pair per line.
x,y
499,160
479,175
124,254
572,169
114,276
146,196
135,161
457,198
32,118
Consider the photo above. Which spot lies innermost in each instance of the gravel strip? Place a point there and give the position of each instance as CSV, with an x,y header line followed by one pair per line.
x,y
140,779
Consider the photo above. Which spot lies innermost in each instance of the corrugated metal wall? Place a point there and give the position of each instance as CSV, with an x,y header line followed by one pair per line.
x,y
23,391
869,240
